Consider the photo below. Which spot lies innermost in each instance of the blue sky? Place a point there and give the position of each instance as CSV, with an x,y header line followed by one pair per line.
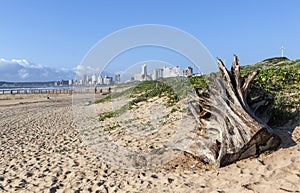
x,y
59,33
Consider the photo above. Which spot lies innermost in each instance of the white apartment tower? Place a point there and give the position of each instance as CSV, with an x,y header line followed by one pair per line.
x,y
158,73
171,71
118,78
94,79
144,70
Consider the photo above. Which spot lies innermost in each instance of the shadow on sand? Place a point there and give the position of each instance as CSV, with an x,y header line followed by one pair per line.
x,y
285,131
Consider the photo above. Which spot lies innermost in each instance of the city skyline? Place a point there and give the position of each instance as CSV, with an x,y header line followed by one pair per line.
x,y
143,75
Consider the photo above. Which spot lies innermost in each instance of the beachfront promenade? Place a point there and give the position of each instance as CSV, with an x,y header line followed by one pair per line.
x,y
37,91
54,91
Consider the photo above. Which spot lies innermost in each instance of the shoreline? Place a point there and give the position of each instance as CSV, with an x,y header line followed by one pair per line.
x,y
21,98
18,99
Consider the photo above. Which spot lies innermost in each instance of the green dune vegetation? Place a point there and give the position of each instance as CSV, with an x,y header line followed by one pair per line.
x,y
277,76
281,78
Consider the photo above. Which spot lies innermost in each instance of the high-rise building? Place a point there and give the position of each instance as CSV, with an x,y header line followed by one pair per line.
x,y
171,71
85,79
144,71
138,77
107,80
94,79
99,80
118,79
158,73
188,71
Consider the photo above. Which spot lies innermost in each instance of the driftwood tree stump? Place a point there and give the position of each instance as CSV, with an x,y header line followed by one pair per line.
x,y
232,124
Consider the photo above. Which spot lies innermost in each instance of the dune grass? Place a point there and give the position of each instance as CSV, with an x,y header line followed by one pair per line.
x,y
277,76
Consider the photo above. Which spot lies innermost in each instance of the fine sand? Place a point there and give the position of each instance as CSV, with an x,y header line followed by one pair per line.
x,y
41,150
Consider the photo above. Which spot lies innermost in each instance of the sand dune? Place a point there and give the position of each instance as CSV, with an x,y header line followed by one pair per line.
x,y
41,150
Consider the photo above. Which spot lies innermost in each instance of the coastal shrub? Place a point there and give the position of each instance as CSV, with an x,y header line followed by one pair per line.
x,y
146,90
276,60
199,81
106,115
281,78
112,127
150,89
107,98
114,95
143,87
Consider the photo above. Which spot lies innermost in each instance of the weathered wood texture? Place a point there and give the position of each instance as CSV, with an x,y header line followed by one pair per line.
x,y
232,124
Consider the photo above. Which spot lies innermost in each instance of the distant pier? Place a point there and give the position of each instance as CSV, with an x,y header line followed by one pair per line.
x,y
35,91
82,90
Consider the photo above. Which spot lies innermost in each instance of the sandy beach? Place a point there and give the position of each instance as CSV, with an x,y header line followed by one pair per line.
x,y
42,151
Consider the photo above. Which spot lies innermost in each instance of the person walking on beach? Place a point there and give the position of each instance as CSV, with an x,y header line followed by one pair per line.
x,y
95,89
